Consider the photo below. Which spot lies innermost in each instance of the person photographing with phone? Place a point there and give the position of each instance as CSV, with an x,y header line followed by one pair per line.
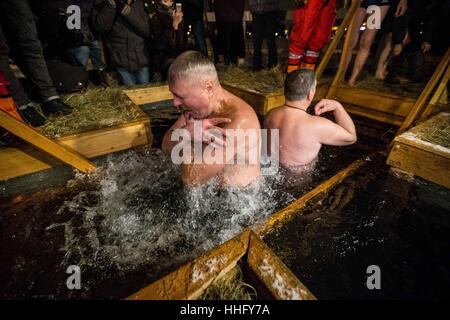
x,y
166,23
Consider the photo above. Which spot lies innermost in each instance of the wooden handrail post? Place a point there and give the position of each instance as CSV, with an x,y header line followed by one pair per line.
x,y
55,149
346,50
437,95
420,103
329,53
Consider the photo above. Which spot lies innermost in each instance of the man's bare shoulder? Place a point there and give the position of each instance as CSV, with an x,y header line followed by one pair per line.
x,y
285,114
319,121
273,117
238,102
240,112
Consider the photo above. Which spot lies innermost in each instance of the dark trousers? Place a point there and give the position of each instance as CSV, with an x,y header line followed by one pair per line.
x,y
198,30
231,40
264,26
412,53
20,30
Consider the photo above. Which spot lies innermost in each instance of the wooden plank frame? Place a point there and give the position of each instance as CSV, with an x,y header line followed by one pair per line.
x,y
421,158
192,279
22,159
277,278
378,106
149,94
262,103
421,163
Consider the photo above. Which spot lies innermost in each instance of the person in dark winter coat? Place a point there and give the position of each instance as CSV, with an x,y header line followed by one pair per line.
x,y
265,17
25,107
229,15
91,47
68,44
166,23
19,28
126,27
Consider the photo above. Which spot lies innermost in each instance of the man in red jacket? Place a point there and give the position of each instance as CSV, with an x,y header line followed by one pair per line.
x,y
312,24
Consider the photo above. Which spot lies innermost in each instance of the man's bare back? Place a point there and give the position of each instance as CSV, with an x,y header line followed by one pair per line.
x,y
299,145
302,135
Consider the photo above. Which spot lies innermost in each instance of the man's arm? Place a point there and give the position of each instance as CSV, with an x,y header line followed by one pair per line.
x,y
167,144
341,133
196,174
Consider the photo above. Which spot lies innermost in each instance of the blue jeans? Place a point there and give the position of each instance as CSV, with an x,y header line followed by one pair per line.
x,y
80,55
128,78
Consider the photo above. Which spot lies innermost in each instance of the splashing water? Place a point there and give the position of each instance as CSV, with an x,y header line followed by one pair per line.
x,y
139,216
132,221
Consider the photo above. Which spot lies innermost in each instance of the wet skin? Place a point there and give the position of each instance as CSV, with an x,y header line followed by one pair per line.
x,y
218,111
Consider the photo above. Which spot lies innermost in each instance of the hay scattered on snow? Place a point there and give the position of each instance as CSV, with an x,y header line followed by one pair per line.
x,y
230,287
264,81
436,130
93,109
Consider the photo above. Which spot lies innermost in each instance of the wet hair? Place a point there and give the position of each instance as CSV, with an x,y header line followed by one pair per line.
x,y
298,84
192,66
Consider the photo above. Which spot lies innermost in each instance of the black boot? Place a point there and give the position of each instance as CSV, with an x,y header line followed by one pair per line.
x,y
31,115
56,106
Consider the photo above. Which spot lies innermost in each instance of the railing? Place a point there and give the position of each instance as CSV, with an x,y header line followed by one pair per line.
x,y
423,98
348,19
34,137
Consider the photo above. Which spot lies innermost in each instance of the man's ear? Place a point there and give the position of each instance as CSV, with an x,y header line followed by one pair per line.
x,y
311,93
209,87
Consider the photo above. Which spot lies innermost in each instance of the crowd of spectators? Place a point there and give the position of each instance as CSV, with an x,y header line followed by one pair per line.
x,y
133,41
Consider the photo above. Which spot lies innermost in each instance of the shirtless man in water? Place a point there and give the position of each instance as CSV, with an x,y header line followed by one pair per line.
x,y
212,111
301,134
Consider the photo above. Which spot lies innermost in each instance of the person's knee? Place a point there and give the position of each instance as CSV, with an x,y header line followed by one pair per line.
x,y
32,48
83,50
366,43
